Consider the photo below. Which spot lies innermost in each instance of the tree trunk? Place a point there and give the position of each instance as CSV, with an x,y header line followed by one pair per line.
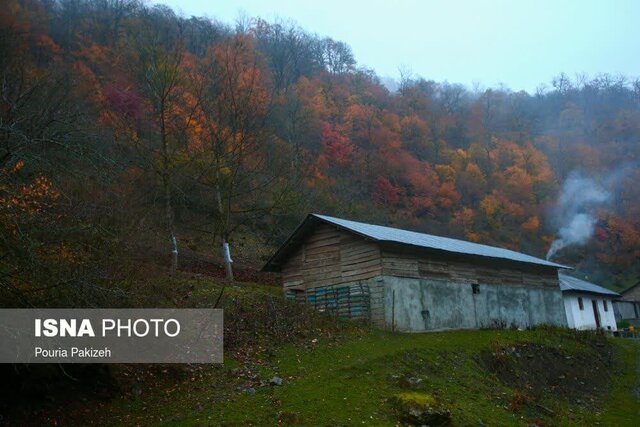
x,y
227,259
166,186
174,254
226,253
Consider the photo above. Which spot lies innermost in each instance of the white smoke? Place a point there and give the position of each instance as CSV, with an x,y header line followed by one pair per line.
x,y
573,212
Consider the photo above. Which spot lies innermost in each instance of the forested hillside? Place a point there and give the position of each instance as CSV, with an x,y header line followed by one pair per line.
x,y
131,136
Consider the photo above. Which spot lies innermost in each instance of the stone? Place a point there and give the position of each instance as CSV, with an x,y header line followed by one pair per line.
x,y
421,409
410,382
276,381
250,391
414,380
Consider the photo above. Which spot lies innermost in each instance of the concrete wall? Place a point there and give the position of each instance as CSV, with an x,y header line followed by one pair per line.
x,y
430,304
626,310
585,318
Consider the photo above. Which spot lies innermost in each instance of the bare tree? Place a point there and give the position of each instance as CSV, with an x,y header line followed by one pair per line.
x,y
241,164
162,77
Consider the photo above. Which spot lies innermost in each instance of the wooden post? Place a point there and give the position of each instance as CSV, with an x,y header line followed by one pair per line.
x,y
393,310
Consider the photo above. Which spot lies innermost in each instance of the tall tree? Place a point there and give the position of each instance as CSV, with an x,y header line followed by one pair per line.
x,y
162,76
244,165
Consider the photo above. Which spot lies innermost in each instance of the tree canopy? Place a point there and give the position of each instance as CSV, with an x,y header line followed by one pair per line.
x,y
129,133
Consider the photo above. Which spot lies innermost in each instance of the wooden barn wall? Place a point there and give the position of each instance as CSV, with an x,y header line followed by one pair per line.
x,y
329,257
632,294
403,263
343,273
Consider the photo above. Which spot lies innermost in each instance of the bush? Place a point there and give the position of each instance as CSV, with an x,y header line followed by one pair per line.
x,y
623,324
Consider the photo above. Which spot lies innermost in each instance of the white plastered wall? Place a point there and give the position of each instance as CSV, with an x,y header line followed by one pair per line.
x,y
585,319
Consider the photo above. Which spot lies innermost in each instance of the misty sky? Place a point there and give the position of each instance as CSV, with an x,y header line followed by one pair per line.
x,y
520,43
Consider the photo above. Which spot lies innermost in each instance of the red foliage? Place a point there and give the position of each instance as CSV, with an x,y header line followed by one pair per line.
x,y
385,193
601,234
123,101
337,147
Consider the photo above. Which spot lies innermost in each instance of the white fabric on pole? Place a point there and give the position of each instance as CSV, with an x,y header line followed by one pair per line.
x,y
227,252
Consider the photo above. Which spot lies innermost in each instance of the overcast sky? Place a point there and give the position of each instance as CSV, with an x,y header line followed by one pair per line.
x,y
520,43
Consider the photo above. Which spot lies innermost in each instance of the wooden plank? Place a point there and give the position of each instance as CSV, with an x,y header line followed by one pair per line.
x,y
401,273
348,264
371,270
321,264
425,265
325,256
340,280
400,260
399,266
361,264
326,272
325,247
364,259
359,252
293,278
320,246
395,266
307,273
318,238
331,258
293,286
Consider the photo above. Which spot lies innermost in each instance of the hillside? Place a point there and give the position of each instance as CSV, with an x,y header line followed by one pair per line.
x,y
150,159
340,373
129,134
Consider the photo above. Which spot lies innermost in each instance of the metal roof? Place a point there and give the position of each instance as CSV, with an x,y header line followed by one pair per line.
x,y
572,284
396,235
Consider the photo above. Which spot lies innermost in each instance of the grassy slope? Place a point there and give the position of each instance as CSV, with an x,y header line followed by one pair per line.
x,y
350,382
622,404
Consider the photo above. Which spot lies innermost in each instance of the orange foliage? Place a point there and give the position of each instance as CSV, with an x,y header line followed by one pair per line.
x,y
30,200
531,225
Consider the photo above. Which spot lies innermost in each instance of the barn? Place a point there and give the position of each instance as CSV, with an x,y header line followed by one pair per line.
x,y
409,281
588,306
627,308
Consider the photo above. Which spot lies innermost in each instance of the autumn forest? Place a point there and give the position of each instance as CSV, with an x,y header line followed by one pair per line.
x,y
135,142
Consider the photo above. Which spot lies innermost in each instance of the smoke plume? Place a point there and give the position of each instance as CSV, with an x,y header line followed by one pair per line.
x,y
573,211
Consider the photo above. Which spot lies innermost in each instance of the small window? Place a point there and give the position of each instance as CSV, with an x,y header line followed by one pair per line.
x,y
580,303
475,288
606,307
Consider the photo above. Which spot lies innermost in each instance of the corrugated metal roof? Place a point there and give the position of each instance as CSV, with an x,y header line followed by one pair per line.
x,y
572,284
396,235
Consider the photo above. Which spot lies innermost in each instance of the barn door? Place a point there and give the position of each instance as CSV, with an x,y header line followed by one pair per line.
x,y
594,303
